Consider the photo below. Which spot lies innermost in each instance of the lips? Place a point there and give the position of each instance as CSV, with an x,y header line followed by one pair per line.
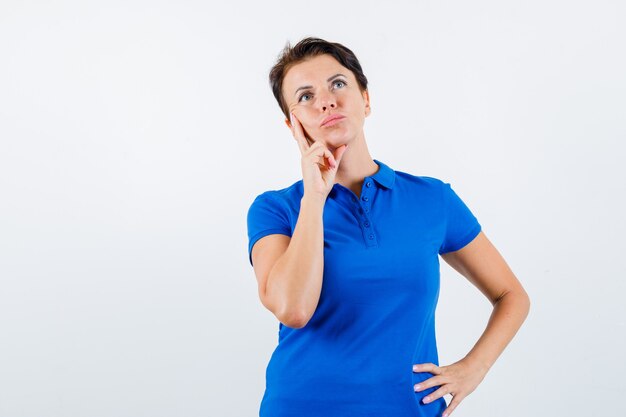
x,y
331,118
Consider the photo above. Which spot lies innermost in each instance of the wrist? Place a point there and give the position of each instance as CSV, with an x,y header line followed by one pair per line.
x,y
315,200
478,364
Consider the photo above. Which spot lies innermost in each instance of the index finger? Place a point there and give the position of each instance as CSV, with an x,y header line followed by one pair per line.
x,y
298,134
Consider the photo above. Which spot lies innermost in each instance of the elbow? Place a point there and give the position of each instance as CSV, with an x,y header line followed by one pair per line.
x,y
289,316
526,299
292,314
294,319
520,298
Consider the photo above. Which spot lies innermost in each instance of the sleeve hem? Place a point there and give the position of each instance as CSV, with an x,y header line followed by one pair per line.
x,y
264,233
474,231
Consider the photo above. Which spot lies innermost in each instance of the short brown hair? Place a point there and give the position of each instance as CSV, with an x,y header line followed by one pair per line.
x,y
305,49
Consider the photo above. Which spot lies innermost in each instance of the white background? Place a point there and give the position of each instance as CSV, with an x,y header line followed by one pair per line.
x,y
135,135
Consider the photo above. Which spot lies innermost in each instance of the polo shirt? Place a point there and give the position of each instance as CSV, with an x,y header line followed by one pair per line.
x,y
376,313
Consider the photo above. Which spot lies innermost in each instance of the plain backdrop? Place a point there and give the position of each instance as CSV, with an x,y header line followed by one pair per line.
x,y
135,135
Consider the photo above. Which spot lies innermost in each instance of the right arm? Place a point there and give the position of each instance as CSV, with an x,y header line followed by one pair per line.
x,y
290,271
294,283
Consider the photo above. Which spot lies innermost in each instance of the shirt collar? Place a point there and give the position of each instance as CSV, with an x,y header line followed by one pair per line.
x,y
385,176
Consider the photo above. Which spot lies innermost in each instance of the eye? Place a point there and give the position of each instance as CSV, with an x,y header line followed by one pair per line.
x,y
300,98
307,93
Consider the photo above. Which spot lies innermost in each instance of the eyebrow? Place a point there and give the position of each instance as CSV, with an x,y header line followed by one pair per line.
x,y
310,86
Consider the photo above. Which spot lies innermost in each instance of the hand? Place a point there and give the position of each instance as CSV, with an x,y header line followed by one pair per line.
x,y
318,177
459,379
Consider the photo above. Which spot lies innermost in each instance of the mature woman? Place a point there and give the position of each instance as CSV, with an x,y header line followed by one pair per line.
x,y
347,259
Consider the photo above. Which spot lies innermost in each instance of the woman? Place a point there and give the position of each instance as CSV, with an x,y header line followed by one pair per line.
x,y
347,260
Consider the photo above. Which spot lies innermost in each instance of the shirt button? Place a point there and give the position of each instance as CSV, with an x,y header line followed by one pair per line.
x,y
371,237
353,200
368,184
367,224
365,199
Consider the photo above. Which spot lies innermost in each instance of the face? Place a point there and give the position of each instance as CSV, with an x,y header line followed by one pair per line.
x,y
326,93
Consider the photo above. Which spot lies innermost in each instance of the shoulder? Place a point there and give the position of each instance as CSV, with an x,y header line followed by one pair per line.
x,y
424,185
420,180
282,196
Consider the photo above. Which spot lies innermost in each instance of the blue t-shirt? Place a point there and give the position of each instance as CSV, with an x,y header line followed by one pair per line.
x,y
376,313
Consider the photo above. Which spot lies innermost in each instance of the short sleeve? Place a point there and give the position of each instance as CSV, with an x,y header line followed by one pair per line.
x,y
266,216
461,226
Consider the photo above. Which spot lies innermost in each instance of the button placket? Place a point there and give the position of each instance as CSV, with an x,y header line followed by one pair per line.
x,y
361,206
366,225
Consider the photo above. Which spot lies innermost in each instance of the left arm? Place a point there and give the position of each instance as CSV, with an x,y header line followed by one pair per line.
x,y
481,263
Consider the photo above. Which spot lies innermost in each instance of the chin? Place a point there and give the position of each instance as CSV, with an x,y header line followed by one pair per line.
x,y
335,142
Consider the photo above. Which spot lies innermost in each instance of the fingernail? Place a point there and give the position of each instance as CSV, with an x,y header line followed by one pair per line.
x,y
426,399
417,387
415,367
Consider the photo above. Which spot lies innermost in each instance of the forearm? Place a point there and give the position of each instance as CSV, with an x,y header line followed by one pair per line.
x,y
295,281
506,318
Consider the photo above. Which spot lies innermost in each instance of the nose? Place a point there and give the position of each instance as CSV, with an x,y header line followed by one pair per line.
x,y
327,101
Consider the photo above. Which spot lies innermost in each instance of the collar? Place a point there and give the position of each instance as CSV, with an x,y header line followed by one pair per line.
x,y
385,176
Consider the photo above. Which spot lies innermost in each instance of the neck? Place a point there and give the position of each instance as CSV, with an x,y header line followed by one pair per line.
x,y
356,164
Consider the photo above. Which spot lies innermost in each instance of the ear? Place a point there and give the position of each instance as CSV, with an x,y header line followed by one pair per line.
x,y
366,98
288,123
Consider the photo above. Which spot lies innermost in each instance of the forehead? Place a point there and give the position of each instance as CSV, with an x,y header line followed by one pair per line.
x,y
316,69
